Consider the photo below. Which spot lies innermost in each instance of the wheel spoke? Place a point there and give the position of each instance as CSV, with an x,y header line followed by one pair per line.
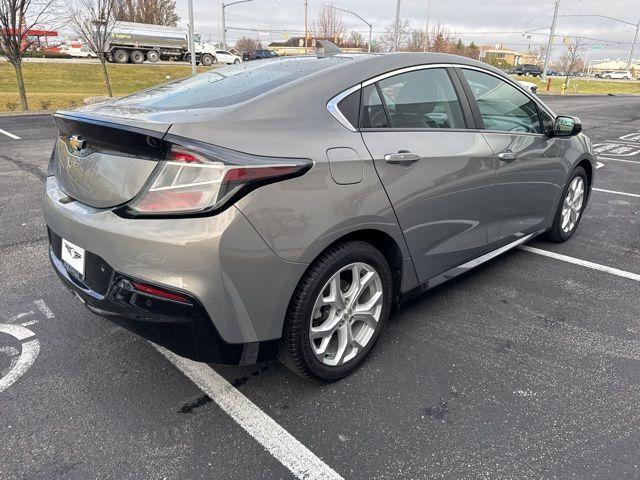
x,y
344,322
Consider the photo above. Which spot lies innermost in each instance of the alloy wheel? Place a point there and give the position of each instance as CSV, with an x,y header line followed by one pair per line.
x,y
346,314
572,205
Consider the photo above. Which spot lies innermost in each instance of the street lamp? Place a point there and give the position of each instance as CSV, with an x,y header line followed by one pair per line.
x,y
370,25
224,27
192,45
397,26
635,36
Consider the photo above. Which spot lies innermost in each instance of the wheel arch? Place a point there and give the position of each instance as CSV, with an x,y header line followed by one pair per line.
x,y
402,270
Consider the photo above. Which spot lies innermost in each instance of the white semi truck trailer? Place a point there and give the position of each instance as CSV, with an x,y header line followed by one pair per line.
x,y
137,42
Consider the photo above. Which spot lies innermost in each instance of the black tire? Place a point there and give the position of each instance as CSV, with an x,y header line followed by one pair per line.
x,y
607,77
121,56
137,57
153,56
295,349
206,59
556,234
236,61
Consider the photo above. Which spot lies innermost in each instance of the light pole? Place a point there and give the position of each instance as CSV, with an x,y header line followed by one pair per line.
x,y
306,26
426,27
370,25
396,33
192,46
550,43
635,36
224,26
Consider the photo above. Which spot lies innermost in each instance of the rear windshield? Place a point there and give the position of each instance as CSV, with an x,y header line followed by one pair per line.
x,y
227,85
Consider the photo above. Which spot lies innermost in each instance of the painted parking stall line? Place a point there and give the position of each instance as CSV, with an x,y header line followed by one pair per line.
x,y
9,134
583,263
624,160
634,195
303,463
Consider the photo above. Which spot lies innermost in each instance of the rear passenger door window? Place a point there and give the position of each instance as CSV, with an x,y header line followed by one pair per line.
x,y
503,107
421,99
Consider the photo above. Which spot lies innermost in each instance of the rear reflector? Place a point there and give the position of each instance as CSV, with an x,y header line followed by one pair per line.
x,y
157,292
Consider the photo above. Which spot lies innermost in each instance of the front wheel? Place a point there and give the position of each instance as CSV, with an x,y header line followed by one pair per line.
x,y
569,212
337,312
236,61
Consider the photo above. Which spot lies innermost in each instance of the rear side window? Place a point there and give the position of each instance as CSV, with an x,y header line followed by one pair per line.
x,y
373,113
227,85
422,99
350,107
503,107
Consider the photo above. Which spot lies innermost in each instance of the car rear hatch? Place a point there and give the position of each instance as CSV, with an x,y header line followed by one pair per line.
x,y
104,161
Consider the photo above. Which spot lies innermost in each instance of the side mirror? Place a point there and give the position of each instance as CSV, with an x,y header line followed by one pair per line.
x,y
566,126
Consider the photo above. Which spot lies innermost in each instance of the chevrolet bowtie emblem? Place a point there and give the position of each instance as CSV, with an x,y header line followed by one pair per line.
x,y
77,143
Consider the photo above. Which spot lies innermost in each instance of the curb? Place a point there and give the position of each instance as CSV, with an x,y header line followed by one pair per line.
x,y
26,114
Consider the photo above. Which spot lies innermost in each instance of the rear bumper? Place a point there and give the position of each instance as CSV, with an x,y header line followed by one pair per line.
x,y
239,288
184,328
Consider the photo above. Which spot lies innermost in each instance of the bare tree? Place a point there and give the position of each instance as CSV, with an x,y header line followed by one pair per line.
x,y
157,12
329,25
416,40
572,61
248,45
17,18
356,40
93,21
389,36
441,40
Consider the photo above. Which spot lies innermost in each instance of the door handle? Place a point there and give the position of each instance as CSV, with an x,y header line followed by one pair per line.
x,y
508,156
403,157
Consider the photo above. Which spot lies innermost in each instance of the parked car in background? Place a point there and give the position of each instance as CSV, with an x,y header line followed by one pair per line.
x,y
224,56
527,70
80,51
532,87
552,73
389,176
618,75
259,54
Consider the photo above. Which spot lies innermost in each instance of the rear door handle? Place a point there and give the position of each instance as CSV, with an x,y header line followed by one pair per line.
x,y
508,156
402,156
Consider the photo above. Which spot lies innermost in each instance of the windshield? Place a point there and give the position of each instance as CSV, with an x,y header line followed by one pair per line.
x,y
227,85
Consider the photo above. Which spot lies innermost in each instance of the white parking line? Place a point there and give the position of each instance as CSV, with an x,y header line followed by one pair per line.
x,y
9,134
583,263
275,439
46,311
599,165
619,160
635,195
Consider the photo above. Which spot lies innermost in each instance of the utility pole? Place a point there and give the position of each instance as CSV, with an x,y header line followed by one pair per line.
x,y
550,43
370,25
633,46
426,27
306,29
192,46
224,24
396,32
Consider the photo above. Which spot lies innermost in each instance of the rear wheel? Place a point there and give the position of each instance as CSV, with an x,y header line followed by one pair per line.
x,y
571,206
153,56
527,74
120,56
206,59
137,57
236,61
337,312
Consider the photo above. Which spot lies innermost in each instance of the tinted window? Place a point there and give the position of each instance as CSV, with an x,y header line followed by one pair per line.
x,y
373,114
503,107
350,106
422,99
227,85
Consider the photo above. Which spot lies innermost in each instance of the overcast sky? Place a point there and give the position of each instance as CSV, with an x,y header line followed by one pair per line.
x,y
476,20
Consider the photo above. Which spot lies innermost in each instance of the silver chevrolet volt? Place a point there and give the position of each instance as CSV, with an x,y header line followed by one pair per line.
x,y
282,208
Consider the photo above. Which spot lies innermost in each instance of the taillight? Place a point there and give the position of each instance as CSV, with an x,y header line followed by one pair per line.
x,y
192,181
159,292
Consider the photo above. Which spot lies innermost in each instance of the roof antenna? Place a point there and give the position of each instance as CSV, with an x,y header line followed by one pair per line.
x,y
325,48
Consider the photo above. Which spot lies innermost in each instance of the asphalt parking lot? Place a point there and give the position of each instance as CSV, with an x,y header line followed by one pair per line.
x,y
528,367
